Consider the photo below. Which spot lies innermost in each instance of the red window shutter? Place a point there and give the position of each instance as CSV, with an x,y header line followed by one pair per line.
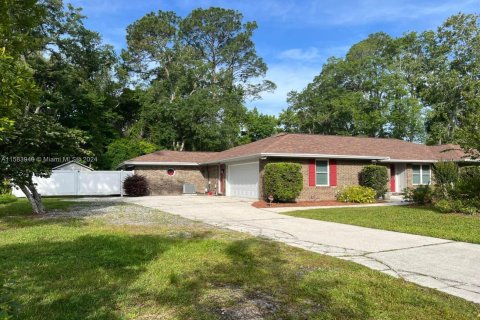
x,y
311,173
392,178
333,172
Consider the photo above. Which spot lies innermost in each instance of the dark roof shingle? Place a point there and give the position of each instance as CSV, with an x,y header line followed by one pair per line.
x,y
305,144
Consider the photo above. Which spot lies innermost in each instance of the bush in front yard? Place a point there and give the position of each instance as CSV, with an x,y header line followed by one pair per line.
x,y
5,187
375,177
420,194
446,176
7,198
468,185
283,180
136,186
444,206
357,194
455,206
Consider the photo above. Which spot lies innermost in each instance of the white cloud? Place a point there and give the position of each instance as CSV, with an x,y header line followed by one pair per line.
x,y
287,77
310,54
363,12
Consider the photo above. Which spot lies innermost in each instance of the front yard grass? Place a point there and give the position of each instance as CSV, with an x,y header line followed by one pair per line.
x,y
173,268
409,219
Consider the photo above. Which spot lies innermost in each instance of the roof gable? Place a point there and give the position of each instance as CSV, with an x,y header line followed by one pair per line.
x,y
72,165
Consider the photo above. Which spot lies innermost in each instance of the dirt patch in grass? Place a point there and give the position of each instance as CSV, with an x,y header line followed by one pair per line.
x,y
322,203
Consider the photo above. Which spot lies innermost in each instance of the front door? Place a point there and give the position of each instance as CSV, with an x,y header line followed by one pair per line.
x,y
221,179
400,177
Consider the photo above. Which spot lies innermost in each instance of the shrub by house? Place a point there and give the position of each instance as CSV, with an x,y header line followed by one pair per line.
x,y
375,177
284,181
357,194
136,186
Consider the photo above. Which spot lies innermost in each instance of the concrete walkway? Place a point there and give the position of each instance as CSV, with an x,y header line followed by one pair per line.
x,y
449,266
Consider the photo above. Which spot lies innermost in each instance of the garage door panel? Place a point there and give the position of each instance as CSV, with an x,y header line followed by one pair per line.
x,y
243,180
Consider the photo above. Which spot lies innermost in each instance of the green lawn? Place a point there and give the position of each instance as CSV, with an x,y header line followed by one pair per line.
x,y
409,219
65,268
22,206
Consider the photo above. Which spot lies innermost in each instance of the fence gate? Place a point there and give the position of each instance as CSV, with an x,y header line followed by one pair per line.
x,y
79,183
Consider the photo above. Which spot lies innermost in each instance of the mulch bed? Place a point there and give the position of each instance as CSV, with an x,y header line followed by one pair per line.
x,y
264,204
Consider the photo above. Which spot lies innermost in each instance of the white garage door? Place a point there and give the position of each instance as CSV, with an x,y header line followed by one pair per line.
x,y
242,180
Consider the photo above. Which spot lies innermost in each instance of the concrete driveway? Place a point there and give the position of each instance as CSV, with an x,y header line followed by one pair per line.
x,y
449,266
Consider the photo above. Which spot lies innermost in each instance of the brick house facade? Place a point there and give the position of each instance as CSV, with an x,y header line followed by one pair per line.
x,y
239,171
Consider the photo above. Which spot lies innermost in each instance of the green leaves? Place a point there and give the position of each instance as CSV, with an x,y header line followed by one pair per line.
x,y
284,181
366,93
124,149
418,87
196,73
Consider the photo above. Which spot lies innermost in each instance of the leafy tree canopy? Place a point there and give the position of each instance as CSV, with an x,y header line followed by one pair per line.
x,y
418,87
197,73
124,149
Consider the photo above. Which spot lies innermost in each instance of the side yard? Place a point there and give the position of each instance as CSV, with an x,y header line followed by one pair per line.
x,y
409,219
119,261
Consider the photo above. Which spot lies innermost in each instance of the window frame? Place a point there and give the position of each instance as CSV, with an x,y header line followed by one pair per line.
x,y
328,173
421,174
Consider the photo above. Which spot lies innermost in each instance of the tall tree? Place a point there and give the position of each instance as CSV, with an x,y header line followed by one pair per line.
x,y
258,126
75,73
418,87
452,90
197,71
366,93
33,134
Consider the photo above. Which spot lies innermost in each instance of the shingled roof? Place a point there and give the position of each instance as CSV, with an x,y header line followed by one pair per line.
x,y
344,146
304,145
168,156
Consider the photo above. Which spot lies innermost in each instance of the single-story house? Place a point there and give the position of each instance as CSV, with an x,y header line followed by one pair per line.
x,y
328,164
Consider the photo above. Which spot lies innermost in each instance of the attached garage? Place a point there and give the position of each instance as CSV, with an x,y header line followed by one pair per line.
x,y
243,179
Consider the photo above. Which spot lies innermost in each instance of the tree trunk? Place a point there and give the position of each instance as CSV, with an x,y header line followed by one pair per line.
x,y
34,198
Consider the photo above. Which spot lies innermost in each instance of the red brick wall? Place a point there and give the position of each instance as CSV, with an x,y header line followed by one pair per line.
x,y
162,184
347,174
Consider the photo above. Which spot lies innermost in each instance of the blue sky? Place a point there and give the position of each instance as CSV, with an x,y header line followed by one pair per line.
x,y
295,37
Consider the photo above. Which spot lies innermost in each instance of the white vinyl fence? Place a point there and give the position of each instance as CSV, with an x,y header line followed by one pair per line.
x,y
80,183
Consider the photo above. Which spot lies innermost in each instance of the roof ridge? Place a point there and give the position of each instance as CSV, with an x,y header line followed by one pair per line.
x,y
349,136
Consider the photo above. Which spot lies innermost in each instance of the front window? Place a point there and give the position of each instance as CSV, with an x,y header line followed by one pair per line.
x,y
322,172
421,174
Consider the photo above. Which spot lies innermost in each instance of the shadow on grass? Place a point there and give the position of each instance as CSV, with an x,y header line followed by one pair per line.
x,y
255,282
195,274
78,279
91,277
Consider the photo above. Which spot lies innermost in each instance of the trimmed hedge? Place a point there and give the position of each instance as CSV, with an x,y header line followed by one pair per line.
x,y
357,194
375,177
283,180
136,186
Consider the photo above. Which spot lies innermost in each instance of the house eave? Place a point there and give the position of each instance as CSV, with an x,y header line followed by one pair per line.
x,y
407,161
155,163
425,161
322,155
234,159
